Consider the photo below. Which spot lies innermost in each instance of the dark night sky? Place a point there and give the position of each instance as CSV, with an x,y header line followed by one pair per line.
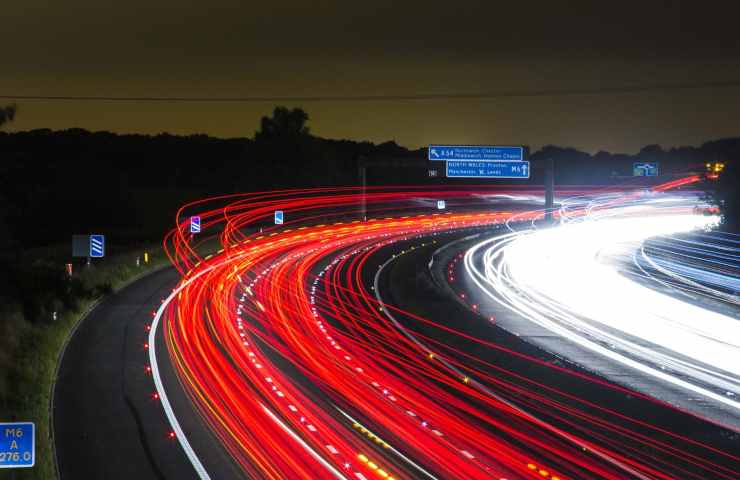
x,y
313,48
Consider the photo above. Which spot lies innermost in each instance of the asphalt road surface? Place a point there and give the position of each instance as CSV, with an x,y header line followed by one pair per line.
x,y
339,350
107,425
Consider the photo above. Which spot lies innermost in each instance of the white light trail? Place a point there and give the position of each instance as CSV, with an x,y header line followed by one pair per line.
x,y
566,279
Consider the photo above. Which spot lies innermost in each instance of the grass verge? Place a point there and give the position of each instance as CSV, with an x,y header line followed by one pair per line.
x,y
30,351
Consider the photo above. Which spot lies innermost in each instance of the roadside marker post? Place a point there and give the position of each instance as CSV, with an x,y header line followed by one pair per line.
x,y
97,246
195,224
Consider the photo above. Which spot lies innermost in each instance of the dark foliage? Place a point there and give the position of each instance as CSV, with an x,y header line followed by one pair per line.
x,y
7,114
58,183
728,196
42,287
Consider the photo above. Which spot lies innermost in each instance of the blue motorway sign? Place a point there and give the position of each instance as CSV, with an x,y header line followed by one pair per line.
x,y
479,153
195,224
647,169
279,217
17,445
488,169
97,246
441,205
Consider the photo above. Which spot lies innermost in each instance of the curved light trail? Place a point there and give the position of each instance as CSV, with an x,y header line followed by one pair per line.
x,y
699,265
568,279
283,349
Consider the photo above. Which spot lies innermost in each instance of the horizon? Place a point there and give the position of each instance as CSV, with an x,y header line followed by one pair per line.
x,y
180,49
10,129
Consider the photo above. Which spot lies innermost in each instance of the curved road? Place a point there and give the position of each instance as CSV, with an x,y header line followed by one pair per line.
x,y
106,423
277,359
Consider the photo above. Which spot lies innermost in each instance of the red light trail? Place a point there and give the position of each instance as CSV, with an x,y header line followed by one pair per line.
x,y
286,354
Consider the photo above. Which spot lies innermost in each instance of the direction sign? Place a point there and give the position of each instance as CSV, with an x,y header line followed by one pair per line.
x,y
17,445
195,224
97,246
440,205
488,169
279,217
648,169
478,153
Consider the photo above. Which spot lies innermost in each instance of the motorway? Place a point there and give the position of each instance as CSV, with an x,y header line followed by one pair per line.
x,y
570,284
328,347
106,422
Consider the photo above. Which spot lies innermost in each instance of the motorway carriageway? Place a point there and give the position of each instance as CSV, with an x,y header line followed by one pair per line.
x,y
300,371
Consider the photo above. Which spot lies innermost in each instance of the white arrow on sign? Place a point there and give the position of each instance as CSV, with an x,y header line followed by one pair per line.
x,y
434,152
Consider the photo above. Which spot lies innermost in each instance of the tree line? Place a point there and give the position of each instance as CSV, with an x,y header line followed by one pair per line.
x,y
56,183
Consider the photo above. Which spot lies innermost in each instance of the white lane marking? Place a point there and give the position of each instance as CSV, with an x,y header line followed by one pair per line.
x,y
171,418
390,447
496,283
298,439
484,389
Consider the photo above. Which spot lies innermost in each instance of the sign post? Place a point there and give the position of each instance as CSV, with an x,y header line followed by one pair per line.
x,y
647,169
475,153
471,169
97,246
195,224
17,445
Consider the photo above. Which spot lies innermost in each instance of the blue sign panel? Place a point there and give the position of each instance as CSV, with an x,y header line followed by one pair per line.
x,y
195,224
645,169
479,153
278,217
488,169
17,445
441,205
97,246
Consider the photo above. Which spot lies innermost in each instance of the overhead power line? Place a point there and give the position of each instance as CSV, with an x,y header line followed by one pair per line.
x,y
388,98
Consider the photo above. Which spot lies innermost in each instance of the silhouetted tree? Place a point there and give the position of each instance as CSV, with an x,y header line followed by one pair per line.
x,y
285,124
284,149
728,196
7,114
650,151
